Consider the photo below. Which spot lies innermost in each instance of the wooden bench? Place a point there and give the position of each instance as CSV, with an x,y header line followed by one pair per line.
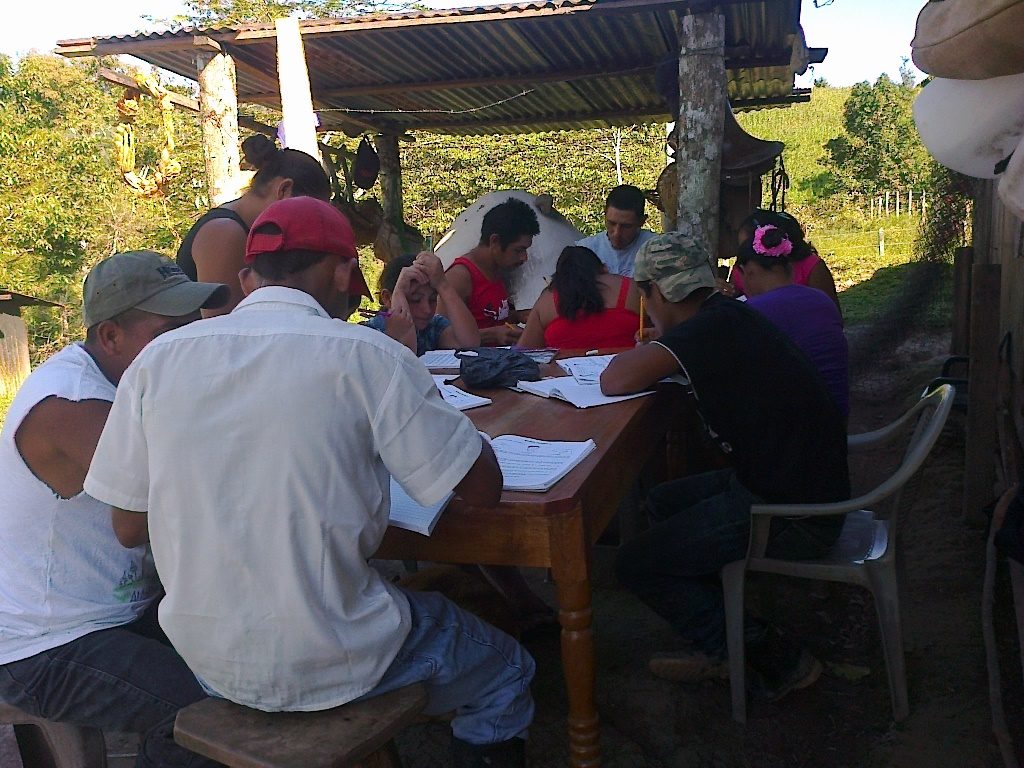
x,y
354,734
45,744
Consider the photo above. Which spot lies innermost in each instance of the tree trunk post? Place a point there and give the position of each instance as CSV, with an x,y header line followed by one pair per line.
x,y
218,117
391,179
702,105
296,100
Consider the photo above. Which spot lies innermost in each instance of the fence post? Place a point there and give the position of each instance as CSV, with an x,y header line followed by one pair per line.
x,y
897,202
910,202
881,243
887,202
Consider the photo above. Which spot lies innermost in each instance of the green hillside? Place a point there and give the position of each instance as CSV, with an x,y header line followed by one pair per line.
x,y
804,128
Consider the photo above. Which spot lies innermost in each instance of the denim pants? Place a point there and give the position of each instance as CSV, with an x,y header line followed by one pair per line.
x,y
125,678
469,668
698,525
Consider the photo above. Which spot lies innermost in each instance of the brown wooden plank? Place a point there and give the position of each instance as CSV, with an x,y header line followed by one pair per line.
x,y
982,449
963,262
248,738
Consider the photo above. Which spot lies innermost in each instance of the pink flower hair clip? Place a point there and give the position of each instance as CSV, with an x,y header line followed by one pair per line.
x,y
783,248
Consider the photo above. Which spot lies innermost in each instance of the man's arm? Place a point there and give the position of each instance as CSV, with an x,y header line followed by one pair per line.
x,y
638,369
131,528
481,485
459,279
57,440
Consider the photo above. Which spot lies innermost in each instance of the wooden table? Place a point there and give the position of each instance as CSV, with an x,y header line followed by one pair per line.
x,y
555,529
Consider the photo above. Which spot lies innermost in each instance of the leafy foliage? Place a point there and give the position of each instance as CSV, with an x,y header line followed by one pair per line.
x,y
63,205
879,148
208,13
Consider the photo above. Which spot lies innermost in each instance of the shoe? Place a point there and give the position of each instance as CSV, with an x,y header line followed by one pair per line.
x,y
773,684
688,667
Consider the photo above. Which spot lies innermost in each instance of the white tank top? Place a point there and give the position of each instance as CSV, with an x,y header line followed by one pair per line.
x,y
63,573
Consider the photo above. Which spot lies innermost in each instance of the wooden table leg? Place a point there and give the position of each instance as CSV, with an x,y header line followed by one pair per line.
x,y
570,569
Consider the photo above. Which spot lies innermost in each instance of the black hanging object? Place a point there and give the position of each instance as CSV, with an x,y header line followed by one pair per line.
x,y
780,183
366,165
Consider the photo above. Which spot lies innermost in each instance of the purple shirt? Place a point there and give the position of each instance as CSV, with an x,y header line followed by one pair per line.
x,y
812,321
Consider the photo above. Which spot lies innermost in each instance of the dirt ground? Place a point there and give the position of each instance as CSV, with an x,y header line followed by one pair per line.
x,y
844,720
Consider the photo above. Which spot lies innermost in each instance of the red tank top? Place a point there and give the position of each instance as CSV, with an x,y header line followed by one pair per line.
x,y
612,327
488,299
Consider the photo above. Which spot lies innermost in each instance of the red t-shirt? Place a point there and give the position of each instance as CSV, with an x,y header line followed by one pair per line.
x,y
488,299
611,327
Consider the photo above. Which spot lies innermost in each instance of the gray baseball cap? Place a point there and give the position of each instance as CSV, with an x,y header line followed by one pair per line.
x,y
148,281
678,264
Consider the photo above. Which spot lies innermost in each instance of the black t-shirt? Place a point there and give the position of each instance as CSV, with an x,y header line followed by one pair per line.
x,y
763,403
184,255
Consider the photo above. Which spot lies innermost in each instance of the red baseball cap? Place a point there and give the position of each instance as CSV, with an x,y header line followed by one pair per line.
x,y
305,224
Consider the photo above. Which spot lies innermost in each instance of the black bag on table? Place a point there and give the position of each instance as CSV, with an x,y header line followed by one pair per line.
x,y
491,367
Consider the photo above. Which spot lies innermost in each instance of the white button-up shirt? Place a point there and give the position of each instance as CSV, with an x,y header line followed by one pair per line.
x,y
261,444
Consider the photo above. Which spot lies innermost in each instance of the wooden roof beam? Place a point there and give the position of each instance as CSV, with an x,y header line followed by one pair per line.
x,y
185,102
652,114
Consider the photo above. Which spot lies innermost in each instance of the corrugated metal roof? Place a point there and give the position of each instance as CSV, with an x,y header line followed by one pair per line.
x,y
503,68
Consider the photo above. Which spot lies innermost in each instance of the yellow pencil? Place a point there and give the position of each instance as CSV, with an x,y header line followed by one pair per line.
x,y
641,318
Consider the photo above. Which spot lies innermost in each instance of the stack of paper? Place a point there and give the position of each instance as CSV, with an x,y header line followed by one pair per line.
x,y
459,398
568,389
407,514
440,358
528,464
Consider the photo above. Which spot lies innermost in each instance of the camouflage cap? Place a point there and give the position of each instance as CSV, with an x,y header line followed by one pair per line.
x,y
678,264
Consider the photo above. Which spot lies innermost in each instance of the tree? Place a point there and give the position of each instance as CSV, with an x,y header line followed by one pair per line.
x,y
204,13
879,148
62,201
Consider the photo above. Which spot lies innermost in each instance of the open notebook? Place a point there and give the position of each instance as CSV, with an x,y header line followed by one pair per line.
x,y
568,389
586,370
456,397
406,513
528,464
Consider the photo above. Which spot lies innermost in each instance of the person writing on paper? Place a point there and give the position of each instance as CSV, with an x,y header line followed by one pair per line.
x,y
584,307
214,248
767,410
481,277
806,315
807,266
262,544
624,218
79,640
410,287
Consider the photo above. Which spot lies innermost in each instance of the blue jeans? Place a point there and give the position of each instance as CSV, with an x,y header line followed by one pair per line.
x,y
126,678
468,667
698,525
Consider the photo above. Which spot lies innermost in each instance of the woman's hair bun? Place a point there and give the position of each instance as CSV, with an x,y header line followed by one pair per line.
x,y
773,237
258,149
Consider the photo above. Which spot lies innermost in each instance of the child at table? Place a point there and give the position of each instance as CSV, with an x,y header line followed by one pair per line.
x,y
409,289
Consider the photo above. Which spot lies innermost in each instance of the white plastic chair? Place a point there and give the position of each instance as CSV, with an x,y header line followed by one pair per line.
x,y
864,554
